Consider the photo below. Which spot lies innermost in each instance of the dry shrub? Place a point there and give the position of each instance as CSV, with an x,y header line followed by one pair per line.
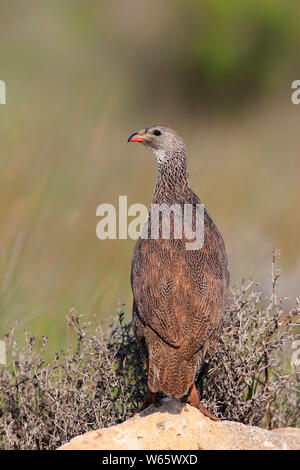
x,y
43,405
248,376
103,382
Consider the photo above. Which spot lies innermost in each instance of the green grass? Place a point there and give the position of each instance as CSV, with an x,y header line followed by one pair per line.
x,y
73,98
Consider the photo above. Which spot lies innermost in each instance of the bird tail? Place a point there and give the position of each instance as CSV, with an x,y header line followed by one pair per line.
x,y
170,373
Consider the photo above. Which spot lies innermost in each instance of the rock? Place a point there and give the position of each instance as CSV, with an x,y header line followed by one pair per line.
x,y
178,426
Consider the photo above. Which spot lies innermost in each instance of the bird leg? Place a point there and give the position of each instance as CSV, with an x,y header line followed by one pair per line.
x,y
151,397
194,400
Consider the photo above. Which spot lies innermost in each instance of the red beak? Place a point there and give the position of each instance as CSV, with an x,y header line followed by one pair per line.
x,y
137,137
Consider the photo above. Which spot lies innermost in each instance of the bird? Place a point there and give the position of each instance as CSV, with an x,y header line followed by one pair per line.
x,y
179,295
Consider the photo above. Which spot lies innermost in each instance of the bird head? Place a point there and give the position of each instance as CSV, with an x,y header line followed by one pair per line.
x,y
161,140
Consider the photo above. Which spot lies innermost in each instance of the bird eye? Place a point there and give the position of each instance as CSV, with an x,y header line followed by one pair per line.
x,y
156,132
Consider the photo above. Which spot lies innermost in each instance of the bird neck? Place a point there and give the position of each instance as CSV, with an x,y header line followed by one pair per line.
x,y
172,184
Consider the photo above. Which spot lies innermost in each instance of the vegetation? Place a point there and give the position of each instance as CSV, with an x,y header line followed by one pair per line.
x,y
103,382
80,79
225,53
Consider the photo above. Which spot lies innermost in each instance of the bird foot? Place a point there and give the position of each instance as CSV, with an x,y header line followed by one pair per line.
x,y
204,411
194,400
151,398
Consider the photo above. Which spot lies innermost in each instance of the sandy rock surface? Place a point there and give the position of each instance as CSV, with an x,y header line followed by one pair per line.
x,y
173,425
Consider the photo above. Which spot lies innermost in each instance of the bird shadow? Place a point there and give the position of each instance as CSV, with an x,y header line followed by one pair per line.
x,y
165,405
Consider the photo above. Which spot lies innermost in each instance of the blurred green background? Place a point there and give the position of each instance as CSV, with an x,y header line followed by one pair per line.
x,y
81,76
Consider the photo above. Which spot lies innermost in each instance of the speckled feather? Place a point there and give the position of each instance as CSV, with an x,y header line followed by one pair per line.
x,y
179,295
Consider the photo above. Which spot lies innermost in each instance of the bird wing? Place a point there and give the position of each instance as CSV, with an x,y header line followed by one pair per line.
x,y
180,294
153,289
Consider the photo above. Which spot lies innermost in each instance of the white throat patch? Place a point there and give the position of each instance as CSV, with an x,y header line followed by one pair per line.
x,y
160,155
